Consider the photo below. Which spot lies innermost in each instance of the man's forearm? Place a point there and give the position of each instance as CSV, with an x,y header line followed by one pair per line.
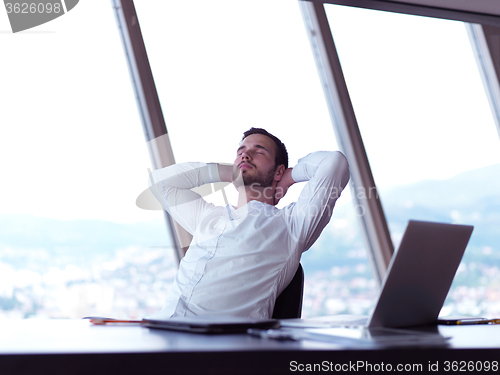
x,y
185,175
226,172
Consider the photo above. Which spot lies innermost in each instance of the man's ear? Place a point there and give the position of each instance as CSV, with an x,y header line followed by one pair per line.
x,y
280,171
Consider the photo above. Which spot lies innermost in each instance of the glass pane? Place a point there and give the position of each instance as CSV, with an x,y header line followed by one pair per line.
x,y
222,67
429,135
74,159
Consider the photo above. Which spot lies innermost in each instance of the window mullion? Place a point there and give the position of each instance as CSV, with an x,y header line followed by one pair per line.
x,y
369,208
155,130
485,41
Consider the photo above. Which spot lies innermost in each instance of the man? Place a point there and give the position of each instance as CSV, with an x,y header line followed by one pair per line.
x,y
241,258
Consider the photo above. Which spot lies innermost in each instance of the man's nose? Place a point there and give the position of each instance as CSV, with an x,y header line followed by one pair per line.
x,y
245,155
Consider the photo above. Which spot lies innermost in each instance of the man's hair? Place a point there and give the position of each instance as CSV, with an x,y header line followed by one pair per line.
x,y
281,154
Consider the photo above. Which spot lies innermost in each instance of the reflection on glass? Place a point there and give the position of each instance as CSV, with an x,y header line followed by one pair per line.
x,y
222,67
429,135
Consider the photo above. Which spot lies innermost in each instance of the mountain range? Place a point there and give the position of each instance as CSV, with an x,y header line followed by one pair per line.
x,y
470,198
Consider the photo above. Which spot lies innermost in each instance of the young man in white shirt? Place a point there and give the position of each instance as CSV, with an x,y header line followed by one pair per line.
x,y
241,258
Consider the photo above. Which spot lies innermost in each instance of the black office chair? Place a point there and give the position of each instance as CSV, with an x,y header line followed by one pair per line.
x,y
289,303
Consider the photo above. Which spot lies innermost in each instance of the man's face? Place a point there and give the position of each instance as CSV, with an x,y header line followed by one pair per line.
x,y
255,161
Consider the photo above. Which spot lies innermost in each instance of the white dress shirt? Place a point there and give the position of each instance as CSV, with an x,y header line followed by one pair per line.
x,y
240,260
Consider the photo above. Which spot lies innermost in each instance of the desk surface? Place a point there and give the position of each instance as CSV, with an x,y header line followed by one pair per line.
x,y
76,346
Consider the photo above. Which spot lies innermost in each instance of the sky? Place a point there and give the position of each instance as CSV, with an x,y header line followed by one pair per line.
x,y
71,141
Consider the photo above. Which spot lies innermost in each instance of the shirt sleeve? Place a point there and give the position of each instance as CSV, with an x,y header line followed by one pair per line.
x,y
327,174
180,188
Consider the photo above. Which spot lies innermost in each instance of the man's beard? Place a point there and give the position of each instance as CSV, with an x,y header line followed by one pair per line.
x,y
256,179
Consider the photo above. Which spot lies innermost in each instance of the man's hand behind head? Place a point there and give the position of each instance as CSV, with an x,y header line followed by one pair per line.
x,y
283,185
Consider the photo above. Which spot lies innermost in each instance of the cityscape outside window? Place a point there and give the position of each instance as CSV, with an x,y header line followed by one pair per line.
x,y
73,242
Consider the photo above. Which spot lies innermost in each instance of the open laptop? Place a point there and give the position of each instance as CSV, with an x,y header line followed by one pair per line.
x,y
417,280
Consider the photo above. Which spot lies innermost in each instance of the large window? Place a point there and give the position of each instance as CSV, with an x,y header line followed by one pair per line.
x,y
221,67
74,159
74,243
429,134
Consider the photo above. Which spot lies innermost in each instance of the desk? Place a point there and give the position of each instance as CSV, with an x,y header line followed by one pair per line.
x,y
76,347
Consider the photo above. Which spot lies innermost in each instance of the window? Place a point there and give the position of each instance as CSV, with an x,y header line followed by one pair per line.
x,y
429,134
72,241
222,67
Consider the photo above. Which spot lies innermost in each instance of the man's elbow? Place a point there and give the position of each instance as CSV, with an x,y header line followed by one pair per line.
x,y
339,166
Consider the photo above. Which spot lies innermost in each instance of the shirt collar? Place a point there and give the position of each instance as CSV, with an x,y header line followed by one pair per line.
x,y
251,206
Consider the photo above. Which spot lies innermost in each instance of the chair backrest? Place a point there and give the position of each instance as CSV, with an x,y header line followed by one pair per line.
x,y
289,303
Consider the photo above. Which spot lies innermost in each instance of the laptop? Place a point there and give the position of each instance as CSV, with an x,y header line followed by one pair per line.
x,y
211,324
195,324
416,283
